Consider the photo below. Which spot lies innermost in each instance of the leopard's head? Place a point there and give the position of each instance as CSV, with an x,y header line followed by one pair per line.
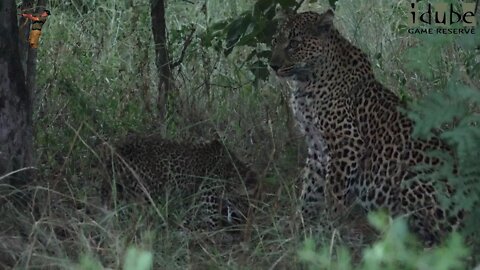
x,y
301,42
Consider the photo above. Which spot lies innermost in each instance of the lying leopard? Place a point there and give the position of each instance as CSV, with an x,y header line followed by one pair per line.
x,y
205,175
360,146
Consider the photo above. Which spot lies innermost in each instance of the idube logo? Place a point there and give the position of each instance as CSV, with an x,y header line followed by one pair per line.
x,y
445,18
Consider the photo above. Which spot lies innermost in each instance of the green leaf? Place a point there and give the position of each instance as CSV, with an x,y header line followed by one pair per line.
x,y
264,54
259,55
287,3
236,29
250,34
379,220
213,32
263,6
138,260
260,70
89,263
401,29
332,3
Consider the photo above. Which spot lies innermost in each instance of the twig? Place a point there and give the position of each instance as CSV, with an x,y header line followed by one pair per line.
x,y
274,265
186,43
16,171
332,242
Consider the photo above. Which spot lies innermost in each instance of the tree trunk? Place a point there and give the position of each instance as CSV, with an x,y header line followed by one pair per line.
x,y
28,55
16,138
24,30
159,30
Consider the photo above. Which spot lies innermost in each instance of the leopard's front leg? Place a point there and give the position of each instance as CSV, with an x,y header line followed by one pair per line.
x,y
342,170
312,198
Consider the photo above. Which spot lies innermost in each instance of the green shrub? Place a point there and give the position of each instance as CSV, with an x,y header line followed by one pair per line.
x,y
396,250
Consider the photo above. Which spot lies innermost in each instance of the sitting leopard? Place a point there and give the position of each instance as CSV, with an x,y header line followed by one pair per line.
x,y
203,174
360,146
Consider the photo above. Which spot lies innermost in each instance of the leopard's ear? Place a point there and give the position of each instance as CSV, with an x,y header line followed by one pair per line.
x,y
327,17
216,143
216,140
282,14
324,22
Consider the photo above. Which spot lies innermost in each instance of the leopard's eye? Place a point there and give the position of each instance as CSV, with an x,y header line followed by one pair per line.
x,y
274,41
294,43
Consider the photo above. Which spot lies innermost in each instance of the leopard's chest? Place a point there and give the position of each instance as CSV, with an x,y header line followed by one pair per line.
x,y
306,114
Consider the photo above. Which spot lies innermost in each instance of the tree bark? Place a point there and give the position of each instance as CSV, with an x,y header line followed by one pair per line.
x,y
28,55
159,30
24,30
16,139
